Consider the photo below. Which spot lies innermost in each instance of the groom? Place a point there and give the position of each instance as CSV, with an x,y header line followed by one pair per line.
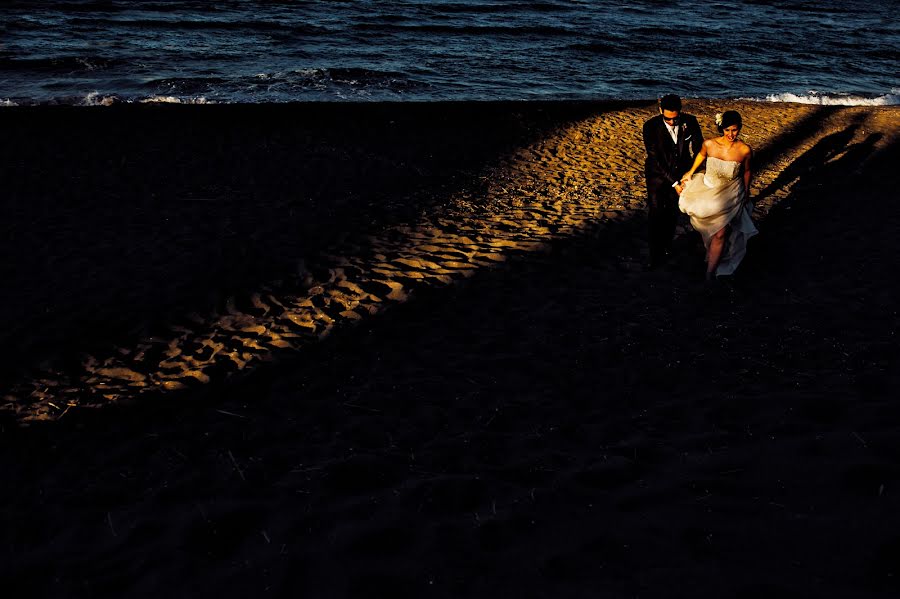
x,y
672,139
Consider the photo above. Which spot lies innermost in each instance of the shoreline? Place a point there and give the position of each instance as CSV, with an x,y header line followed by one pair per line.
x,y
845,99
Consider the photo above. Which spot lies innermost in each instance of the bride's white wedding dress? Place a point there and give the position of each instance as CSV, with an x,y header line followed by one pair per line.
x,y
715,199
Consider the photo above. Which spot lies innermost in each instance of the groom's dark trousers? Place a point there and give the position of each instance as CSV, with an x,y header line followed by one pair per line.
x,y
667,161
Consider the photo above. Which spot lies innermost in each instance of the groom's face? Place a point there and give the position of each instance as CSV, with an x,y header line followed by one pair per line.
x,y
671,117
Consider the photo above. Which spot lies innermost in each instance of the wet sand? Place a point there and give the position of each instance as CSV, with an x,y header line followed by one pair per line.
x,y
394,350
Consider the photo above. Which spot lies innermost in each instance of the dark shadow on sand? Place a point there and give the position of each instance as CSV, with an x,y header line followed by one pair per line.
x,y
820,189
827,188
811,162
799,132
627,434
118,219
617,239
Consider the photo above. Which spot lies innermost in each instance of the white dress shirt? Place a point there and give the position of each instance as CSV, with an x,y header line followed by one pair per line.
x,y
673,131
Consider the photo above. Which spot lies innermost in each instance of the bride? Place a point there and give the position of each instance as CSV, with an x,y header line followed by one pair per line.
x,y
718,201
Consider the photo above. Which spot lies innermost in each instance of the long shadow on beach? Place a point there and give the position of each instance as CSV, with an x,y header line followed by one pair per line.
x,y
547,428
822,179
822,153
801,131
202,350
116,219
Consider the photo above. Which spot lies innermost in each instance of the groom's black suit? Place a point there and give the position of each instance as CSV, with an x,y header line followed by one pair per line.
x,y
666,162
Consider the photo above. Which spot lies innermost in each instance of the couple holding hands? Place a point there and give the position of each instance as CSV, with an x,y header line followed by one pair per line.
x,y
718,201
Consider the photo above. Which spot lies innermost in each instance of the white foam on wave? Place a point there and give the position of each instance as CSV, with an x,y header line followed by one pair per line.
x,y
7,102
890,99
98,99
175,100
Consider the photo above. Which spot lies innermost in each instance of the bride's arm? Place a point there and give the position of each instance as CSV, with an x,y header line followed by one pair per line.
x,y
701,156
747,173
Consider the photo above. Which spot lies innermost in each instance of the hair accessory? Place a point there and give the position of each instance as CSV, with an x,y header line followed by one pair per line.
x,y
718,119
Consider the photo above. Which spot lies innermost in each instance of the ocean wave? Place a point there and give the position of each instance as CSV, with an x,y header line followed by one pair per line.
x,y
14,24
359,75
820,7
892,54
824,99
485,30
598,47
201,25
98,99
169,6
7,102
186,86
59,64
175,100
663,32
493,8
359,78
56,51
69,6
95,98
644,82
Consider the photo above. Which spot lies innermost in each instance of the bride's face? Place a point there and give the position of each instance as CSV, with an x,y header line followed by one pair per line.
x,y
731,132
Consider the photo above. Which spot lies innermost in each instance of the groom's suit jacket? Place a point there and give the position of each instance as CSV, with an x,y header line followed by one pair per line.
x,y
666,160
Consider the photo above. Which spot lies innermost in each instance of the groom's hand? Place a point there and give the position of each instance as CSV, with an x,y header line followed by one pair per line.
x,y
679,188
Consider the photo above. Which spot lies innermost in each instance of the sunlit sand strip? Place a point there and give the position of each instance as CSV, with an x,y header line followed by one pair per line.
x,y
589,173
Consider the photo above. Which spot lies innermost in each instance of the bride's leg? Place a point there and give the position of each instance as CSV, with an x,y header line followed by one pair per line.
x,y
714,253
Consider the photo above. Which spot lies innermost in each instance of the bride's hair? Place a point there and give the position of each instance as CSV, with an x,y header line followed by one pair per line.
x,y
729,118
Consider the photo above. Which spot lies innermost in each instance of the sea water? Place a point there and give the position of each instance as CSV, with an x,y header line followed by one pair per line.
x,y
238,51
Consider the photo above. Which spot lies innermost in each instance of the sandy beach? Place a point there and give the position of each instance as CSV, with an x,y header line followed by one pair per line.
x,y
412,350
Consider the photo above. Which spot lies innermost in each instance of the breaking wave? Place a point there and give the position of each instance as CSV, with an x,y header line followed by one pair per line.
x,y
890,99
